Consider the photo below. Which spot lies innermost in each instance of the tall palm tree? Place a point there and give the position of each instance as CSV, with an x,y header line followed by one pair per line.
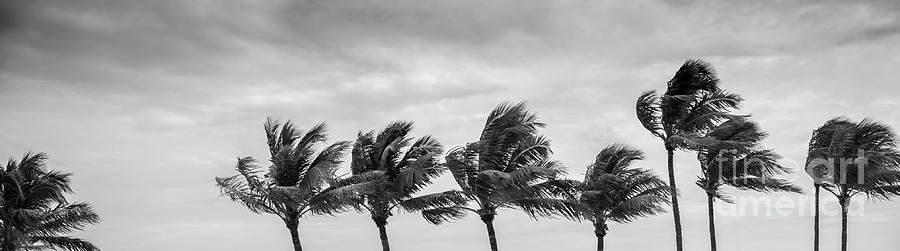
x,y
508,167
691,105
736,160
402,167
613,190
34,212
858,157
293,185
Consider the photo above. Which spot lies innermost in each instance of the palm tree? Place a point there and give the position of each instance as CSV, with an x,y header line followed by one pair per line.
x,y
34,212
401,169
691,105
613,190
736,160
293,185
854,158
508,167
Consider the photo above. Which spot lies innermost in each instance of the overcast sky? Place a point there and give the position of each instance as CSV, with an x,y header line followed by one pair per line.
x,y
147,101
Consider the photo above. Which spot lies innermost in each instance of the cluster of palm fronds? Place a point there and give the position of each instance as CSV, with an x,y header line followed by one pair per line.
x,y
510,166
34,211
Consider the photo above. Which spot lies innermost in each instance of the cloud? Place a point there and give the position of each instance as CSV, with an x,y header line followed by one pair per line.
x,y
146,101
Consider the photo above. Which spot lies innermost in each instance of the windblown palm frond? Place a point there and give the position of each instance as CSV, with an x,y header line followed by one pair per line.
x,y
649,113
34,212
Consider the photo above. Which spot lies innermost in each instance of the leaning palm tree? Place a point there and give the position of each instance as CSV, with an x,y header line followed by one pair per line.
x,y
293,185
691,105
736,160
34,212
613,190
401,167
858,157
508,167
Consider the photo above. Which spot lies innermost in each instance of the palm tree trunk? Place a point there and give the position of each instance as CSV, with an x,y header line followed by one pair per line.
x,y
712,223
382,232
844,206
673,189
599,243
488,220
292,224
600,232
816,224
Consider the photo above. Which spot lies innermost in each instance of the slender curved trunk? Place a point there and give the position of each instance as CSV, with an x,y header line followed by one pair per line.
x,y
488,220
712,223
673,189
382,232
844,206
816,224
292,225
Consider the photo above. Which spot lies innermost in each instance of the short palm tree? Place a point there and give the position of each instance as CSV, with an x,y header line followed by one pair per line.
x,y
508,167
613,190
691,105
854,158
294,184
736,160
402,167
34,212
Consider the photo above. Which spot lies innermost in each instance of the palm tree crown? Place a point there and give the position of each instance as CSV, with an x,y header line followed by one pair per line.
x,y
613,190
34,212
294,184
736,160
869,153
508,167
400,167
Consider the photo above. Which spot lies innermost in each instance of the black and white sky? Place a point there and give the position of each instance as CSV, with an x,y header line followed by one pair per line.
x,y
147,101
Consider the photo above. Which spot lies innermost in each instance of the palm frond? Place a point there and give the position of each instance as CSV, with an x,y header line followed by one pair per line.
x,y
237,190
463,165
65,219
693,76
649,113
636,207
451,198
65,242
548,207
444,214
708,110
